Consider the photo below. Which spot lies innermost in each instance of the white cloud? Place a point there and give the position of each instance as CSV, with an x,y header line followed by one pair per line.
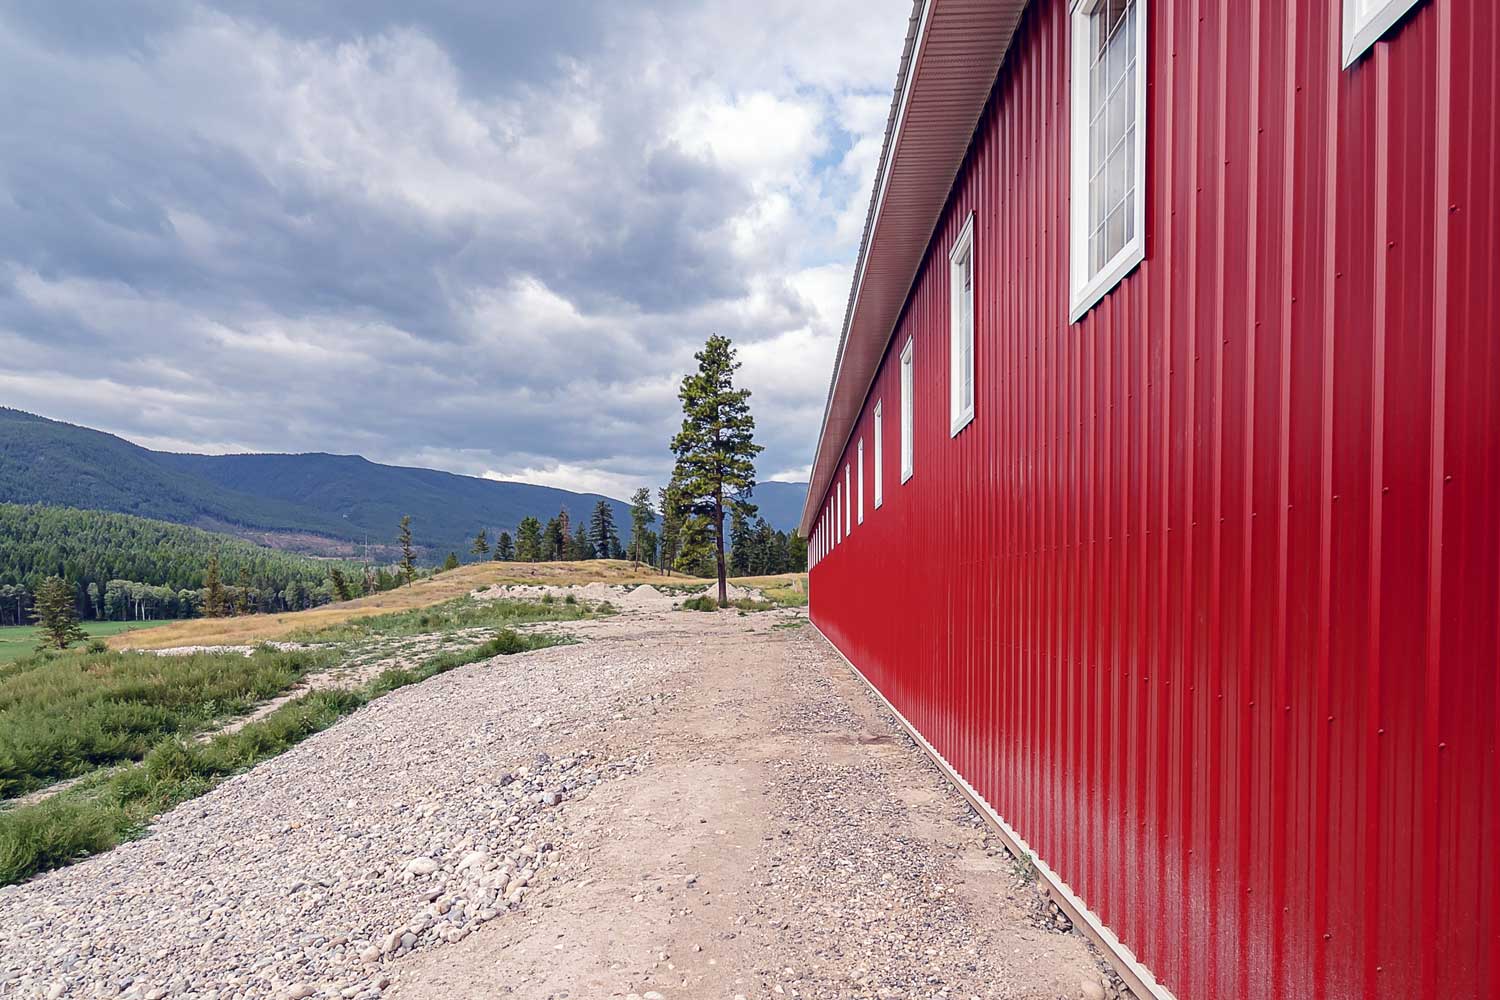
x,y
261,236
578,478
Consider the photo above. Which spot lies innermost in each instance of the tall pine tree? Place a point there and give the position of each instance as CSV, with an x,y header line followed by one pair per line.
x,y
642,516
529,540
671,525
215,605
716,448
505,549
481,546
602,528
408,554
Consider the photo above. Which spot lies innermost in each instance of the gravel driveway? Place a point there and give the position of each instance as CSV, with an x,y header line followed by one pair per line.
x,y
682,805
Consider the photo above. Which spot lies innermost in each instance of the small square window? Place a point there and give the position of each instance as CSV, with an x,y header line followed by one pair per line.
x,y
907,412
1107,204
1366,21
879,458
961,329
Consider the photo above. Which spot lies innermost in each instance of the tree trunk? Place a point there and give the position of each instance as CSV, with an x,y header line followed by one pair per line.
x,y
719,544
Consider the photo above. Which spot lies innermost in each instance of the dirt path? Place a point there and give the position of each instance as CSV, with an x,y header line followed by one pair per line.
x,y
785,839
683,805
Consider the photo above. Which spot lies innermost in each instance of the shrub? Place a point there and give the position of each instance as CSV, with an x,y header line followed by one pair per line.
x,y
700,603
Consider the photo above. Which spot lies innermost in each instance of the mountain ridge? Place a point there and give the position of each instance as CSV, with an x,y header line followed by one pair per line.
x,y
317,502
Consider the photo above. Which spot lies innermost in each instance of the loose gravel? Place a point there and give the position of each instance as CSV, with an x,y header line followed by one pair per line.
x,y
421,817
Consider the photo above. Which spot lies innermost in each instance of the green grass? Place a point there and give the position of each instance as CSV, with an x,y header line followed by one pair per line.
x,y
460,613
101,811
743,604
63,714
18,642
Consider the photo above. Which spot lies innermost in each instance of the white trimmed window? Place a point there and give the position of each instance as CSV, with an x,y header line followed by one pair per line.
x,y
961,329
1365,21
879,456
907,412
848,503
1107,203
860,509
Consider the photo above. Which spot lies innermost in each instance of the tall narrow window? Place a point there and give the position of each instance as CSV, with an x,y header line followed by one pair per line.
x,y
961,329
1365,21
907,411
848,502
860,470
879,458
1107,201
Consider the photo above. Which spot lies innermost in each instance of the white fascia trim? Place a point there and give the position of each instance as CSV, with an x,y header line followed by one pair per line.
x,y
1359,37
1086,292
1122,957
885,180
959,419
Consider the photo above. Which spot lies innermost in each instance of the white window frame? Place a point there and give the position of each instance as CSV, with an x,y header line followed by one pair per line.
x,y
1087,289
879,457
860,509
959,415
908,413
848,504
1364,27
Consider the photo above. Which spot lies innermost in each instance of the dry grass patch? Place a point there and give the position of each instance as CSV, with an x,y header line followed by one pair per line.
x,y
253,629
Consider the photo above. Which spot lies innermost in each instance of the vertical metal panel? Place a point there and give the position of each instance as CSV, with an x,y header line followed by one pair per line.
x,y
1206,600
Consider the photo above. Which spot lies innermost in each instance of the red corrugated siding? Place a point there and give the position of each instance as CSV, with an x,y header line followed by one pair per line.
x,y
1206,601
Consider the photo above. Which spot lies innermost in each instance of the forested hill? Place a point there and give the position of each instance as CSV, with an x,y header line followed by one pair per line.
x,y
94,547
324,504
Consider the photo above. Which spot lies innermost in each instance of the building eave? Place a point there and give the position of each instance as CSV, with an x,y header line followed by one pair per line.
x,y
952,54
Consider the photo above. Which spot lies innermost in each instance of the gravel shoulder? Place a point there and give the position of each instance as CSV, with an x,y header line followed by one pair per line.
x,y
682,804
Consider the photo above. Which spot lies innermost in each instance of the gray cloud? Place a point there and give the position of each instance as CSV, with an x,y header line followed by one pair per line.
x,y
484,237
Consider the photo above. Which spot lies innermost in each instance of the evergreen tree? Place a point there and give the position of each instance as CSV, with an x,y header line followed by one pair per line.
x,y
740,541
56,615
505,550
642,516
554,542
451,562
529,540
601,527
715,448
408,555
214,603
695,548
565,525
616,550
671,526
481,544
340,584
579,546
242,599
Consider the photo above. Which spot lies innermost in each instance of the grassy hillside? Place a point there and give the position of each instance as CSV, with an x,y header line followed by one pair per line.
x,y
326,504
789,588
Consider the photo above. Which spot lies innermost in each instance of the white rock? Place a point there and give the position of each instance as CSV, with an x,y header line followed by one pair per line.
x,y
421,866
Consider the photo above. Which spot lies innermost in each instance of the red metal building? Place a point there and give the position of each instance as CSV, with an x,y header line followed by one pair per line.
x,y
1159,484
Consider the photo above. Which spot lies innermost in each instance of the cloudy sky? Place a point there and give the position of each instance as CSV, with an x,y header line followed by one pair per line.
x,y
479,235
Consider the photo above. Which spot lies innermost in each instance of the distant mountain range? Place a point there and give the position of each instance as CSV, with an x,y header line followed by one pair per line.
x,y
316,503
